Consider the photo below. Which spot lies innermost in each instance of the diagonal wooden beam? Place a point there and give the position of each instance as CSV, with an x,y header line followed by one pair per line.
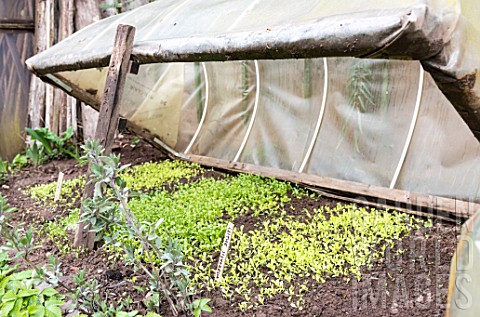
x,y
108,114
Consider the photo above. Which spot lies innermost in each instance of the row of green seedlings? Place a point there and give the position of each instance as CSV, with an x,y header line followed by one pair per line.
x,y
139,178
169,282
45,145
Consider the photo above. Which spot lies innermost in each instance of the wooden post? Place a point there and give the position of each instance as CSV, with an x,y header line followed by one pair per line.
x,y
108,114
36,103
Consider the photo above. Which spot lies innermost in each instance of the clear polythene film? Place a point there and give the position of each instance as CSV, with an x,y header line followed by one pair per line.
x,y
443,34
376,122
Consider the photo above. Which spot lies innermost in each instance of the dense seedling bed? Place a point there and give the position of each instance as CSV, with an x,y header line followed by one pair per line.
x,y
292,253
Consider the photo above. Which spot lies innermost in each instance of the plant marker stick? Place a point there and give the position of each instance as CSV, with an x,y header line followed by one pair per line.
x,y
223,253
59,186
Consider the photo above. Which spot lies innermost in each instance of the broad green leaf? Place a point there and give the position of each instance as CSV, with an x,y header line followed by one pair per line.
x,y
49,292
36,311
23,275
28,292
39,136
17,307
54,302
33,300
52,309
7,308
9,296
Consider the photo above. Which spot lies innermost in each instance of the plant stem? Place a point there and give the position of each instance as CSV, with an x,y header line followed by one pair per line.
x,y
128,217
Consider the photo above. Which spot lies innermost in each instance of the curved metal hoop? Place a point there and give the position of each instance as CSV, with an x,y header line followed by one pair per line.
x,y
254,114
320,117
204,113
411,130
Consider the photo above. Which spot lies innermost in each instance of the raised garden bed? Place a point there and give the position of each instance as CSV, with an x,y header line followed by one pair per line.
x,y
293,252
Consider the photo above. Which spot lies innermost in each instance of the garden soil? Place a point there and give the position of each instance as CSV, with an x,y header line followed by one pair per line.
x,y
408,283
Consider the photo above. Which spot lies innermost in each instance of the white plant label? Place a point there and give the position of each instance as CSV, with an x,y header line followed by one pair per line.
x,y
224,251
59,186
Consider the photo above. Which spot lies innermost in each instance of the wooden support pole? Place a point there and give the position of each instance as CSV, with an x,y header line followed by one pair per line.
x,y
108,115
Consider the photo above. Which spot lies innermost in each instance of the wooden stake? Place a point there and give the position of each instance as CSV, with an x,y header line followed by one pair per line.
x,y
59,187
108,115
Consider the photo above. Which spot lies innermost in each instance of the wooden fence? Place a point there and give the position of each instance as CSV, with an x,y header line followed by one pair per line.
x,y
28,27
16,45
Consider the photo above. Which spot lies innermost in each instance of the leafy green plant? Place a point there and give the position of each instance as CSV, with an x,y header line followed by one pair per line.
x,y
4,171
19,161
88,299
36,156
200,305
19,297
135,142
18,293
47,145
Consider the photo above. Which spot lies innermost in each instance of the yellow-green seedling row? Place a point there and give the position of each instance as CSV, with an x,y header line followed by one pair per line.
x,y
143,177
70,192
326,242
152,175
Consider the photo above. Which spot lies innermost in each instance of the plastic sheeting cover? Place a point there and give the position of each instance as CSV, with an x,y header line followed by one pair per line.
x,y
443,34
382,123
174,31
